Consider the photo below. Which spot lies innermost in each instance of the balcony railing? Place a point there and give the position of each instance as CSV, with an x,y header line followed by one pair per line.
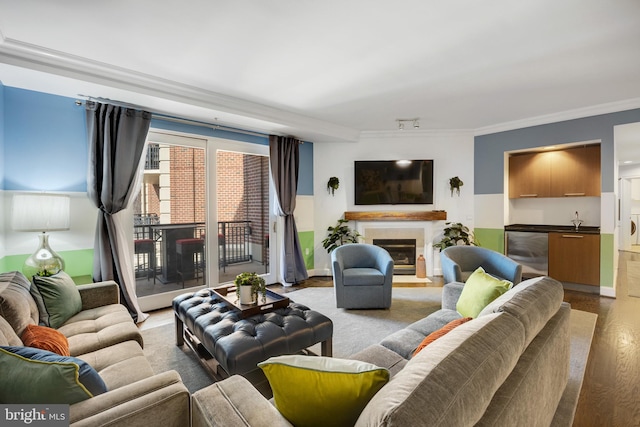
x,y
152,161
233,242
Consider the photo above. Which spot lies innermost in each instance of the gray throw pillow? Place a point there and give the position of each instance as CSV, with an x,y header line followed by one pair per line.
x,y
57,297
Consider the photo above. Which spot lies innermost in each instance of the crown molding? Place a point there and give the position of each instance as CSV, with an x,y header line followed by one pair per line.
x,y
578,113
412,133
26,55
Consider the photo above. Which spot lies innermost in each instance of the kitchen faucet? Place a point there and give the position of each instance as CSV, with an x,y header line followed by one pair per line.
x,y
577,222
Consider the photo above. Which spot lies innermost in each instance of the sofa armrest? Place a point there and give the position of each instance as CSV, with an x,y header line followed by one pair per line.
x,y
234,402
99,294
450,294
160,400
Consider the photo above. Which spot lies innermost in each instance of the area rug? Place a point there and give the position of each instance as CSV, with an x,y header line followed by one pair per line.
x,y
356,329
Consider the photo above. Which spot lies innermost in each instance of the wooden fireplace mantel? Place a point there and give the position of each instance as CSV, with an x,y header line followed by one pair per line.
x,y
396,216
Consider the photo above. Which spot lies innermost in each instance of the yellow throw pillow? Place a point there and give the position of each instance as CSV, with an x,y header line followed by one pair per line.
x,y
479,290
322,391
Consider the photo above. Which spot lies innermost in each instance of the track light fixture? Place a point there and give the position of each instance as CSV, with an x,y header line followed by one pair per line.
x,y
415,123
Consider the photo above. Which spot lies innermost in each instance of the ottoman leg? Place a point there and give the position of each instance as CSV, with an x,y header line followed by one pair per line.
x,y
326,348
179,331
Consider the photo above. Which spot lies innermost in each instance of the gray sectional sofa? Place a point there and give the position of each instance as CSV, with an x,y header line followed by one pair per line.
x,y
507,367
103,335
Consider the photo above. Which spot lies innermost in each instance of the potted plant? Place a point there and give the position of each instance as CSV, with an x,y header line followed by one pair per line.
x,y
456,234
248,286
454,184
339,235
333,184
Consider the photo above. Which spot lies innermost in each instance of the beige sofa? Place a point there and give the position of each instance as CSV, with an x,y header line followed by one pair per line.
x,y
103,335
507,367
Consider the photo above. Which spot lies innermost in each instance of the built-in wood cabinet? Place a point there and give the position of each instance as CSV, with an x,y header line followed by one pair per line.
x,y
575,257
575,172
529,175
572,172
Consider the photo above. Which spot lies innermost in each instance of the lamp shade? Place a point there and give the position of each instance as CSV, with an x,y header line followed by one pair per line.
x,y
40,212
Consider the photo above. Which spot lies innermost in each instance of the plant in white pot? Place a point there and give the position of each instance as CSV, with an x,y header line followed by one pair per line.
x,y
248,286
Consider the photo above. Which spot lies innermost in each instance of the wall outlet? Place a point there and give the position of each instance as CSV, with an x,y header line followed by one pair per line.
x,y
306,251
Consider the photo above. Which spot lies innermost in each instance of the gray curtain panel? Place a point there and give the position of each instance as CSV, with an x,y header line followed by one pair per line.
x,y
284,156
116,142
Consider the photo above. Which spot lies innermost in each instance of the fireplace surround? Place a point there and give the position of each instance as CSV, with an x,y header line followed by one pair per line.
x,y
403,253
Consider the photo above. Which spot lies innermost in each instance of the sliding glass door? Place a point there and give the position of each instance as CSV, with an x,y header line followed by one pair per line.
x,y
170,220
242,183
202,217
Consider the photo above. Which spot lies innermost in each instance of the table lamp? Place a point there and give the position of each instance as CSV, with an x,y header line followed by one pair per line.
x,y
41,212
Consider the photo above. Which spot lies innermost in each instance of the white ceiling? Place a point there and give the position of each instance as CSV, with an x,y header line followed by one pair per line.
x,y
327,70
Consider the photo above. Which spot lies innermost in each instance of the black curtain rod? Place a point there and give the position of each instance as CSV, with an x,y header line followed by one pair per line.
x,y
167,117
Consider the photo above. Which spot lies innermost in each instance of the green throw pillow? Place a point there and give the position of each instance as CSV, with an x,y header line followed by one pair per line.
x,y
322,391
479,290
31,375
57,298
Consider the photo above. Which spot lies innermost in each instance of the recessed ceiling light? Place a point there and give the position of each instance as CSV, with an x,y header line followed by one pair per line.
x,y
626,162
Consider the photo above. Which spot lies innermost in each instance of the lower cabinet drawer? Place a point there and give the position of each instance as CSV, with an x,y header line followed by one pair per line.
x,y
575,258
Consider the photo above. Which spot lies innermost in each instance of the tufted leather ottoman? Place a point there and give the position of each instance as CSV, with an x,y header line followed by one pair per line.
x,y
238,345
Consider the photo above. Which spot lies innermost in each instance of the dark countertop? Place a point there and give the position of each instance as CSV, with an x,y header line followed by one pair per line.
x,y
537,228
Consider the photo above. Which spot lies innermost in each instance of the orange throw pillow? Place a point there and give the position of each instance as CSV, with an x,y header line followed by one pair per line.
x,y
440,332
45,338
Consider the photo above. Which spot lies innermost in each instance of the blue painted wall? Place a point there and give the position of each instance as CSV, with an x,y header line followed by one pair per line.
x,y
45,146
489,149
305,172
45,142
207,130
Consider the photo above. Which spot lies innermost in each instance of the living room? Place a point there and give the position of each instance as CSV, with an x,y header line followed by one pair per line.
x,y
43,137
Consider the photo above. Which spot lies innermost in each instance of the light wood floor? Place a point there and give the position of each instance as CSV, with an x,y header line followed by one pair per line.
x,y
610,395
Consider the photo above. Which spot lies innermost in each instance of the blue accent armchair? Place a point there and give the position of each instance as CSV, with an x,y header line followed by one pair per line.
x,y
458,262
362,276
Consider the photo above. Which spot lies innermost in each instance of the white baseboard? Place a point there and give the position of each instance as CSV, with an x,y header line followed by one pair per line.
x,y
607,292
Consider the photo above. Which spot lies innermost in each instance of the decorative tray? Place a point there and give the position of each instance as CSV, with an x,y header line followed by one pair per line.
x,y
273,301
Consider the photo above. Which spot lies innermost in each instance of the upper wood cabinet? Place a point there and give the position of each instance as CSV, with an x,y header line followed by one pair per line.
x,y
572,172
575,172
529,175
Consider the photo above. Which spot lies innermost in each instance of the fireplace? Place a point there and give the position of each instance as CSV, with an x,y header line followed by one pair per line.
x,y
403,253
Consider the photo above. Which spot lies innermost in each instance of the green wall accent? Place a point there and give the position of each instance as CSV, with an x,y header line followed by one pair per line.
x,y
77,263
606,260
490,238
306,243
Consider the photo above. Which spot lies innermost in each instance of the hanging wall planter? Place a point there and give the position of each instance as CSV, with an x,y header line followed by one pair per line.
x,y
454,184
333,184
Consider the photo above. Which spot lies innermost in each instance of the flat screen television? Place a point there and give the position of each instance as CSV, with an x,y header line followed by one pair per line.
x,y
393,182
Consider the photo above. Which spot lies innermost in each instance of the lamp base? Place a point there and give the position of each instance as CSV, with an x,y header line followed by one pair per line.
x,y
44,261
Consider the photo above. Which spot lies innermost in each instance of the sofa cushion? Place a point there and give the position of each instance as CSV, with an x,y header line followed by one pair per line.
x,y
119,364
440,333
381,356
405,341
31,375
479,290
321,391
16,305
452,381
100,327
8,336
533,302
45,338
57,297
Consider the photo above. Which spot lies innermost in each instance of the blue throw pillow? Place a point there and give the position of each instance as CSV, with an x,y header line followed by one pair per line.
x,y
31,375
